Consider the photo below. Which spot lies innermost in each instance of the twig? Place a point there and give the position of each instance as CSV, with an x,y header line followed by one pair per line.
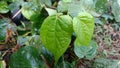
x,y
2,16
52,63
48,66
18,12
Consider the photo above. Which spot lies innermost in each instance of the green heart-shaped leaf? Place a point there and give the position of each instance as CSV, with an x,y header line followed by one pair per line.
x,y
56,34
83,26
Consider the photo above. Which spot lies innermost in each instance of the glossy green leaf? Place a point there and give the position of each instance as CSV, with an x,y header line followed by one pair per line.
x,y
56,34
41,2
51,11
62,7
26,57
29,9
27,13
76,6
83,26
37,21
33,8
3,7
14,6
1,64
101,6
46,2
84,51
116,10
67,0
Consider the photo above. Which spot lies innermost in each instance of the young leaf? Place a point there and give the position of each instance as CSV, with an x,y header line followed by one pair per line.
x,y
56,34
83,26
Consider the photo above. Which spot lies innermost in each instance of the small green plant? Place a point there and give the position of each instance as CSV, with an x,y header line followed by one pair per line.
x,y
50,29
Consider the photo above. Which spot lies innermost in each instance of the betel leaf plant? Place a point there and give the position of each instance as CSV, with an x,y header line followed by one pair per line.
x,y
50,33
56,32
